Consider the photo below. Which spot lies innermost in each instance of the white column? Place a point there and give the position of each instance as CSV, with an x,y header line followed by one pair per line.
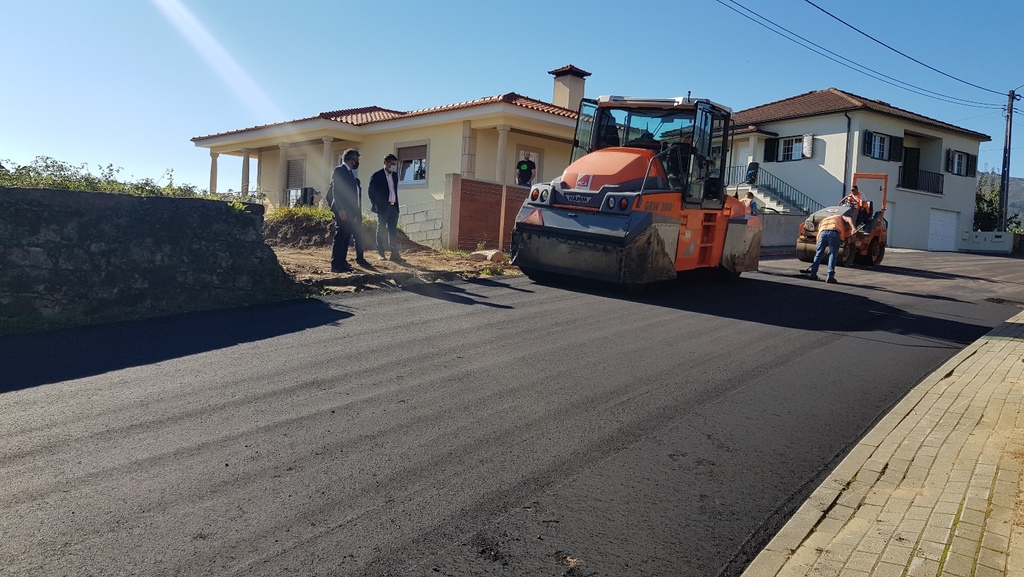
x,y
468,168
328,166
245,172
500,165
213,172
259,177
282,176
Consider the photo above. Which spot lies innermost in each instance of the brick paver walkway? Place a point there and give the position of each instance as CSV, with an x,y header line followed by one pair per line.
x,y
934,489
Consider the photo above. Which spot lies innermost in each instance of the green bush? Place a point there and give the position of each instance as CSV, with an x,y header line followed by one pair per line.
x,y
46,172
300,215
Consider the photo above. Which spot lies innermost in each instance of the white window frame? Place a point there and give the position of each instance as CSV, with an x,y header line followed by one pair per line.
x,y
879,146
791,148
423,183
959,163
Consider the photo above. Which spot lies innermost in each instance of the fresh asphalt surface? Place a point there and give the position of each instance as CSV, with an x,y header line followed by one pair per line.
x,y
498,427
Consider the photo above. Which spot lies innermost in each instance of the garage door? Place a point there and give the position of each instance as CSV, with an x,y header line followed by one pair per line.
x,y
942,230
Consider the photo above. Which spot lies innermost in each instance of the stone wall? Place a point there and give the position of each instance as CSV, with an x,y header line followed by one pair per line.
x,y
422,222
69,257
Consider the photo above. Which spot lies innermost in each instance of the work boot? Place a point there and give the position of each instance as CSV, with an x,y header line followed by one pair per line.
x,y
812,276
831,280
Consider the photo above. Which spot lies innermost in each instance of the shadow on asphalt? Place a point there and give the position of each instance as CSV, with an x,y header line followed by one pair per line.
x,y
490,282
864,286
453,294
928,274
35,359
810,306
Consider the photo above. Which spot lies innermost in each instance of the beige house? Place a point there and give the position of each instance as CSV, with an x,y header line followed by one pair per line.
x,y
809,147
479,139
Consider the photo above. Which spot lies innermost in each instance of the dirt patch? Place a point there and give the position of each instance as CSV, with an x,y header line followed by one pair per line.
x,y
1018,512
304,251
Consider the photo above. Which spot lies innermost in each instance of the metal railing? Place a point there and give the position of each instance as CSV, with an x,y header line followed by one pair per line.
x,y
921,180
776,189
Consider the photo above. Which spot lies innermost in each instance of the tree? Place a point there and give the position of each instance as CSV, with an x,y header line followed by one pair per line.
x,y
47,172
986,205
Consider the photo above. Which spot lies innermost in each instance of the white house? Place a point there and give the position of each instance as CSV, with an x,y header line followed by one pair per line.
x,y
809,147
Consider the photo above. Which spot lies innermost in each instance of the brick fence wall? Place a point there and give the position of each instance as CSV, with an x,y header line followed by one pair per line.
x,y
473,215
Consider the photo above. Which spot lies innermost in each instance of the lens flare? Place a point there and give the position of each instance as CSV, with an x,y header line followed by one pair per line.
x,y
223,64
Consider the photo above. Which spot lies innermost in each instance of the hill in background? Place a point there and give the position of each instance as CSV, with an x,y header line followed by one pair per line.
x,y
1015,196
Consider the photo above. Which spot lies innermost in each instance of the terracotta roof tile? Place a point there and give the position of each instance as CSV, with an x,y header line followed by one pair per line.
x,y
831,101
375,114
569,69
360,116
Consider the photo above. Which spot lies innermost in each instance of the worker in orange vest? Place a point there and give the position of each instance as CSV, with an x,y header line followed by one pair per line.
x,y
832,231
856,201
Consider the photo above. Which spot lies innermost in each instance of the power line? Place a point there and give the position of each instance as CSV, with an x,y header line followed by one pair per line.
x,y
990,113
854,65
902,54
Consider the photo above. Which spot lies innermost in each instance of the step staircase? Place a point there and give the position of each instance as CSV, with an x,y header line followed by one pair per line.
x,y
772,193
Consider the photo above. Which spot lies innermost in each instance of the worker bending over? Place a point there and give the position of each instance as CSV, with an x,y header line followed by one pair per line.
x,y
832,231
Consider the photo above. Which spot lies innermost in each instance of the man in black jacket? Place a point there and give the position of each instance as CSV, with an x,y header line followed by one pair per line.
x,y
343,200
383,195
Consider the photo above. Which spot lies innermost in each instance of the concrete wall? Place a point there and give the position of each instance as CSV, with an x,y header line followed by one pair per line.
x,y
780,230
422,222
69,257
997,242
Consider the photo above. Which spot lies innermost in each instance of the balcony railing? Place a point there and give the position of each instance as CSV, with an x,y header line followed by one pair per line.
x,y
921,180
772,186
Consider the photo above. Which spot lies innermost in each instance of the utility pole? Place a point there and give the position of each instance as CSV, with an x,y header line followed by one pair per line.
x,y
1004,180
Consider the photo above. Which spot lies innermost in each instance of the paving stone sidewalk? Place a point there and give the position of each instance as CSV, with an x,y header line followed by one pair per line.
x,y
934,489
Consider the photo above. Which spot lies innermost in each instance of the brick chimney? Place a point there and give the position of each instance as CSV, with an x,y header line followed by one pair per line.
x,y
569,84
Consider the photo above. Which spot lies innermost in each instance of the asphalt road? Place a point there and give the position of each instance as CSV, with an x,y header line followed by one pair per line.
x,y
490,428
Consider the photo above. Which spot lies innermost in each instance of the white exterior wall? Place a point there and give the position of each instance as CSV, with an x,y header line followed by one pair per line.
x,y
911,209
821,177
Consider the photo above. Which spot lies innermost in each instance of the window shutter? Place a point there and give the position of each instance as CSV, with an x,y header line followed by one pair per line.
x,y
972,165
949,160
866,144
412,152
296,173
771,149
808,151
896,149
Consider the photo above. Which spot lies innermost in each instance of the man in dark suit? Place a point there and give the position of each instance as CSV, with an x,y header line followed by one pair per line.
x,y
343,200
383,195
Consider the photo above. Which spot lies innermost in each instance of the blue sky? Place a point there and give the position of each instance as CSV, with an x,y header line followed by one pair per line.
x,y
130,82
